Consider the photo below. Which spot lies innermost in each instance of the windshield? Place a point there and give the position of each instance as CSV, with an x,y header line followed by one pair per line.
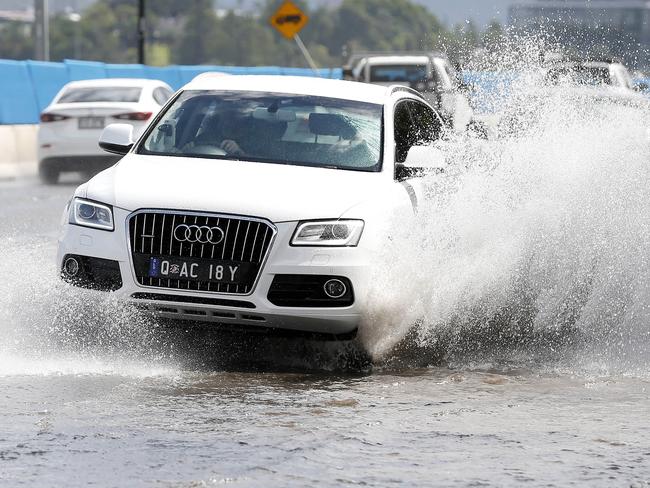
x,y
101,94
394,72
275,128
579,75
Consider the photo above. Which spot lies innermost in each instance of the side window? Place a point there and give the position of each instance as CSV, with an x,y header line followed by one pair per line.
x,y
161,95
427,126
403,131
415,125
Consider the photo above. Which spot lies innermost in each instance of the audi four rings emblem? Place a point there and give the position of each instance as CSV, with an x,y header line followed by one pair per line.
x,y
198,234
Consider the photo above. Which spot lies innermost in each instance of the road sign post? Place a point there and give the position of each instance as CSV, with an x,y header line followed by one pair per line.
x,y
305,53
289,20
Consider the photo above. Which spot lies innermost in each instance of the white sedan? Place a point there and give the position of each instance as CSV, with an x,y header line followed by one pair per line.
x,y
71,125
253,200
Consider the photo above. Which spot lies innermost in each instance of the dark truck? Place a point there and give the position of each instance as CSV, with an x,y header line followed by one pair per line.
x,y
430,73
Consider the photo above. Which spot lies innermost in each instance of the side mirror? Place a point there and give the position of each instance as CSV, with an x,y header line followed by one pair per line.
x,y
117,138
421,160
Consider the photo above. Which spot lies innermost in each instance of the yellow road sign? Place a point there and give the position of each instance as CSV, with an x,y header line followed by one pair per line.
x,y
289,19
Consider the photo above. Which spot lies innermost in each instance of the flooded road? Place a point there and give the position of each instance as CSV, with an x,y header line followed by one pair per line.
x,y
131,404
430,427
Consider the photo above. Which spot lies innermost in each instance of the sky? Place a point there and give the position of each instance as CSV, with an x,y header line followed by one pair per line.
x,y
480,11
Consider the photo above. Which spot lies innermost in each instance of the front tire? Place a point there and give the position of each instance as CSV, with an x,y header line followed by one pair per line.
x,y
48,175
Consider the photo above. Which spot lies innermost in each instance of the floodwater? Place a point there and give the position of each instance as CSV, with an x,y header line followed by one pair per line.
x,y
513,349
142,425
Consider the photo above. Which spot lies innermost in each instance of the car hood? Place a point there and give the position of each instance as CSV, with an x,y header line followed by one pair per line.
x,y
277,192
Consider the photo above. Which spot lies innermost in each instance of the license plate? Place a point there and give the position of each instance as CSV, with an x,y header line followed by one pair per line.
x,y
91,122
230,272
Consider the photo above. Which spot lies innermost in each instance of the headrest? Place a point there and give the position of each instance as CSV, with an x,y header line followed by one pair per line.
x,y
331,125
265,129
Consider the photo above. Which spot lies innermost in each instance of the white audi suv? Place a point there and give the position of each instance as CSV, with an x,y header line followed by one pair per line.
x,y
253,201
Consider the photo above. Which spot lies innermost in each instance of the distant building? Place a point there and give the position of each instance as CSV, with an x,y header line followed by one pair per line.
x,y
619,28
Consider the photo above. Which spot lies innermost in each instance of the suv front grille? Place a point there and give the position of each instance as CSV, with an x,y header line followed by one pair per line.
x,y
245,240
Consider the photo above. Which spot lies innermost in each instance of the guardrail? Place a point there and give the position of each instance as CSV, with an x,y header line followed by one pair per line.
x,y
29,86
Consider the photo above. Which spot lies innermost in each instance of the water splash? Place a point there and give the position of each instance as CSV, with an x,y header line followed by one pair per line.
x,y
49,327
531,246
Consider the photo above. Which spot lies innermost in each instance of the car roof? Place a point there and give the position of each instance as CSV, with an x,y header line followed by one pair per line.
x,y
398,59
296,85
115,82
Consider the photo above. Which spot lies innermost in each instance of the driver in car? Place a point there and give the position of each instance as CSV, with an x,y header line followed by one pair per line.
x,y
225,130
218,131
231,147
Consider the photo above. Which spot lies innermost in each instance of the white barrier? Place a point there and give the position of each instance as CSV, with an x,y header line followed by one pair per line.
x,y
17,150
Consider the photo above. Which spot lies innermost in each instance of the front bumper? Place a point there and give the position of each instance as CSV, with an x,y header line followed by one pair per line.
x,y
253,309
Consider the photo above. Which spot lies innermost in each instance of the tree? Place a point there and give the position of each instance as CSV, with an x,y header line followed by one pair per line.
x,y
200,37
107,33
63,35
383,25
16,41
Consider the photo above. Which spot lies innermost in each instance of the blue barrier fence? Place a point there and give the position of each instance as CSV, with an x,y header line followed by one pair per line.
x,y
29,86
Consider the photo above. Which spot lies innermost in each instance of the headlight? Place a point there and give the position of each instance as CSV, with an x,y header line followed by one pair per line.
x,y
91,214
328,233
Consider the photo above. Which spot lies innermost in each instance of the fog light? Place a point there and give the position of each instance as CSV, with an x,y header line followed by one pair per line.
x,y
71,267
334,288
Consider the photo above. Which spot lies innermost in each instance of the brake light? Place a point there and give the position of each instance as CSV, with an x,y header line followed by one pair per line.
x,y
45,117
134,116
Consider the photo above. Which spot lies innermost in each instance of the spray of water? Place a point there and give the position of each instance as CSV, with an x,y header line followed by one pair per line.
x,y
50,327
532,246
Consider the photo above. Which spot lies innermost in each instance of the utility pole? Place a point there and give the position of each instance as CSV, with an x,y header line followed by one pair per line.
x,y
41,30
141,30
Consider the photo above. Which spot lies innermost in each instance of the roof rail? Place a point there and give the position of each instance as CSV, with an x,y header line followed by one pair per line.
x,y
210,74
398,88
